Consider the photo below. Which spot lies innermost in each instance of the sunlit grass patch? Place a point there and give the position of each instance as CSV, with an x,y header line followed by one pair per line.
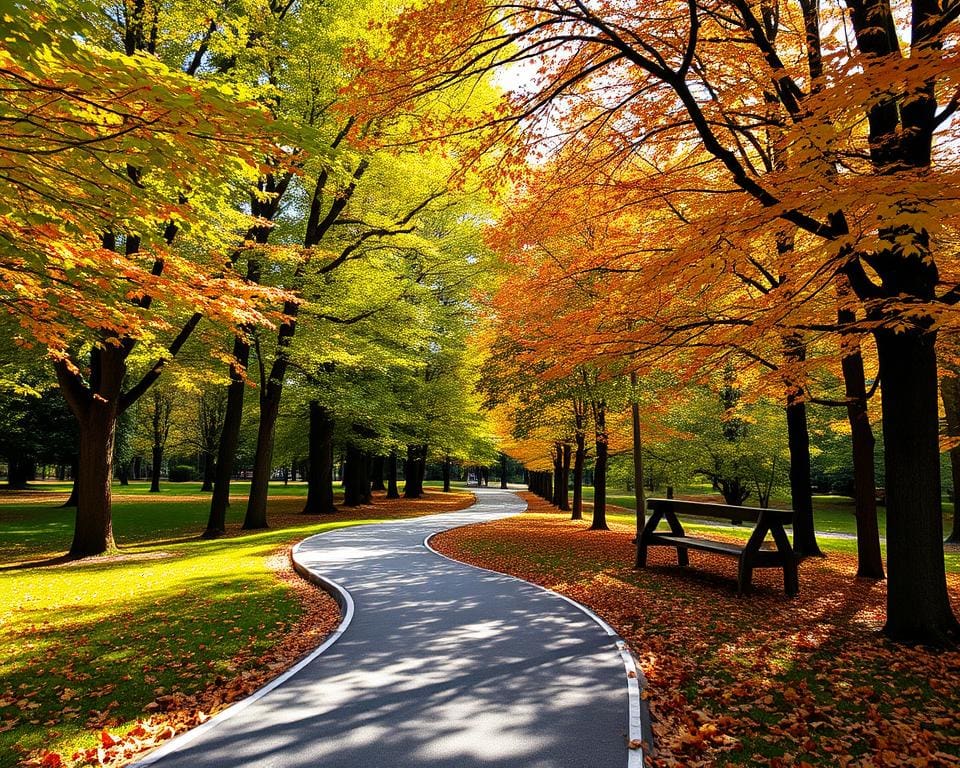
x,y
171,624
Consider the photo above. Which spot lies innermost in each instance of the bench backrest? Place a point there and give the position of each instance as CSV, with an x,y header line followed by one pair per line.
x,y
724,511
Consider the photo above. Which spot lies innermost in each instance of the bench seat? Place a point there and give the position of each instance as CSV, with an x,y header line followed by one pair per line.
x,y
751,554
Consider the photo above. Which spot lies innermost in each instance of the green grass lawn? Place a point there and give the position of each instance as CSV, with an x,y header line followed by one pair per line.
x,y
91,643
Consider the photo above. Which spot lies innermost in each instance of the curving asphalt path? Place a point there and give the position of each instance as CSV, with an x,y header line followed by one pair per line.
x,y
442,666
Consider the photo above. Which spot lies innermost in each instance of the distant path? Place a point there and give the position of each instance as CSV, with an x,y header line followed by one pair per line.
x,y
442,666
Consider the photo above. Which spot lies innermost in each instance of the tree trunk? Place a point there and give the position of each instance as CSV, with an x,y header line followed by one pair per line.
x,y
446,474
950,394
208,472
376,474
565,479
414,471
639,500
229,440
19,472
918,607
157,455
869,557
96,409
599,522
124,473
578,461
421,469
392,491
93,533
798,441
410,474
801,492
256,516
320,466
503,471
557,473
356,480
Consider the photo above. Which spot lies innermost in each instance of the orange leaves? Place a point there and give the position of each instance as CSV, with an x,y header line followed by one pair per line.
x,y
106,740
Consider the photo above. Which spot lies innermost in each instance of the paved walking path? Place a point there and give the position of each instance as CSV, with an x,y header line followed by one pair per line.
x,y
442,666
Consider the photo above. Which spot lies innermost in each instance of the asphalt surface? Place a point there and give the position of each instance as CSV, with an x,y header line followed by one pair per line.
x,y
442,665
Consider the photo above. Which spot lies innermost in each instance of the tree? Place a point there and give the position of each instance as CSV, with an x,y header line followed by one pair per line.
x,y
863,201
160,419
114,155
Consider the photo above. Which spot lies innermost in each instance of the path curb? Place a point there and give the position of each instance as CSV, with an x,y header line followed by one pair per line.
x,y
344,600
639,727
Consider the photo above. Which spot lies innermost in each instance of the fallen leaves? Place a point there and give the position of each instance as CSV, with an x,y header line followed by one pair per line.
x,y
751,681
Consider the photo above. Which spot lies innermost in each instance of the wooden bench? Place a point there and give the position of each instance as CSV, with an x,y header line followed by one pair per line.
x,y
749,555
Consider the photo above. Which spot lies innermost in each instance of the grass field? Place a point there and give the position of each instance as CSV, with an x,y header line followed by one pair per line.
x,y
95,644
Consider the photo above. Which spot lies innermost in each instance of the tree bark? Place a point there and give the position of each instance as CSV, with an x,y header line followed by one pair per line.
x,y
639,499
96,411
869,556
229,440
950,395
410,474
599,522
208,472
392,491
565,479
356,480
19,473
320,466
579,459
918,607
256,515
557,473
446,474
157,458
93,533
503,471
421,469
376,474
798,442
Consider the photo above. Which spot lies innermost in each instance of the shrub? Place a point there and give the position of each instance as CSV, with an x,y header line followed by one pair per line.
x,y
182,473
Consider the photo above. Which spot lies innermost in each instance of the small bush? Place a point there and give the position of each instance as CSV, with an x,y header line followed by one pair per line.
x,y
182,473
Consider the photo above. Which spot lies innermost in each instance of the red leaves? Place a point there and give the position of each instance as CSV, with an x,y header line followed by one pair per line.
x,y
106,740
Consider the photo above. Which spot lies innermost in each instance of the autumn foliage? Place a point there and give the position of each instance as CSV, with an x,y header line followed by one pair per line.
x,y
751,681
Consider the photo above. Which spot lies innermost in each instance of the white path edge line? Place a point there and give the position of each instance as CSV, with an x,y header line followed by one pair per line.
x,y
634,723
340,594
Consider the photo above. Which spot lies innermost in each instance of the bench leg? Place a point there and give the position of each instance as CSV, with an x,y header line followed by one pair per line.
x,y
683,557
641,556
